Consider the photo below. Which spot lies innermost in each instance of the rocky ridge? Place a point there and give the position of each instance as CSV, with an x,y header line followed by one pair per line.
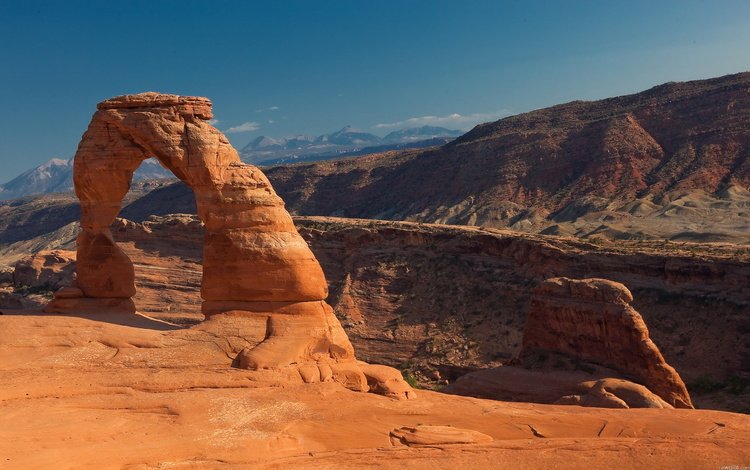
x,y
678,153
667,163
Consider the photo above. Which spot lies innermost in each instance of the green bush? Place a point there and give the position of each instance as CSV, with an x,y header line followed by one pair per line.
x,y
411,380
43,289
736,385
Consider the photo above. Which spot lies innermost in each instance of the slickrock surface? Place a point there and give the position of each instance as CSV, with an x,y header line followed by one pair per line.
x,y
592,320
614,393
425,435
110,391
255,263
556,382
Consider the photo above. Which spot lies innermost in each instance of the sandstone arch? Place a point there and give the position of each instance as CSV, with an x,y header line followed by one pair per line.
x,y
255,262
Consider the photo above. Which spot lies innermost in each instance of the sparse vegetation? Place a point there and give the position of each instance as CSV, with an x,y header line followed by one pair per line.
x,y
44,290
733,384
704,384
411,380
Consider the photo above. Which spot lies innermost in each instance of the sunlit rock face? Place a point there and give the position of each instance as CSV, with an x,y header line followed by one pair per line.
x,y
255,263
592,319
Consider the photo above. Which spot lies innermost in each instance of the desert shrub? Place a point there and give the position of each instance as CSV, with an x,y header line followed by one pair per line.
x,y
737,385
44,289
411,380
705,384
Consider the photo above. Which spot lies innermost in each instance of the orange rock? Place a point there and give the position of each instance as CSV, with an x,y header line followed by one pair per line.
x,y
427,435
68,293
49,269
600,388
615,393
252,250
254,260
592,320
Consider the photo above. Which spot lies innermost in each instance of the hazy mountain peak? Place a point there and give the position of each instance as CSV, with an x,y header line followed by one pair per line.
x,y
414,134
54,162
56,175
346,141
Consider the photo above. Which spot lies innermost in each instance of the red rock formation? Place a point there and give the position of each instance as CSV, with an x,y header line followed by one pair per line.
x,y
592,320
687,136
553,384
427,435
254,260
426,293
615,393
50,268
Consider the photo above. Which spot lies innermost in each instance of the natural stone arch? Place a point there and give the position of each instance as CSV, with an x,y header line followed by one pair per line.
x,y
255,262
252,251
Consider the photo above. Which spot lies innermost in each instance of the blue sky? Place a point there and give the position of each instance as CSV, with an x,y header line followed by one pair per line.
x,y
283,67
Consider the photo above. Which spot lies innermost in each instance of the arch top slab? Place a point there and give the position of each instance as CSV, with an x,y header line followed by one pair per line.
x,y
195,105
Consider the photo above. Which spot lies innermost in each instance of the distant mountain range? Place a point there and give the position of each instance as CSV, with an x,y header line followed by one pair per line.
x,y
671,162
56,176
345,142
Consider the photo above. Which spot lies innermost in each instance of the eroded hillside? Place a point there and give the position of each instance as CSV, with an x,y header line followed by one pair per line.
x,y
670,162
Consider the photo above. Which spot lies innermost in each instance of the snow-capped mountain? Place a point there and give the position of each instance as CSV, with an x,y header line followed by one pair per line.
x,y
52,176
56,176
348,136
266,150
416,134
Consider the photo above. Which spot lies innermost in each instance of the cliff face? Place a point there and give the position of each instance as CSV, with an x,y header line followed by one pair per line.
x,y
677,136
447,298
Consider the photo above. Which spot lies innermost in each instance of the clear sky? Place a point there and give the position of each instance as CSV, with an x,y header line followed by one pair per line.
x,y
285,67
